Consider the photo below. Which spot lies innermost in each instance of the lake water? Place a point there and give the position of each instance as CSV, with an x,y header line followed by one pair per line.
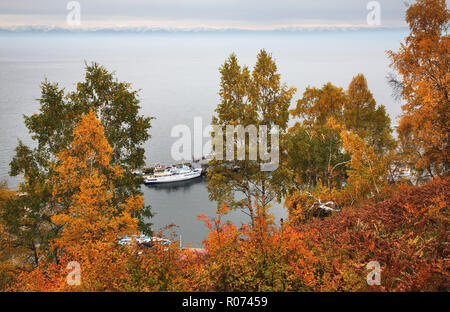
x,y
179,80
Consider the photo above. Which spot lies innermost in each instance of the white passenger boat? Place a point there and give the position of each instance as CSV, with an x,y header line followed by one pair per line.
x,y
173,174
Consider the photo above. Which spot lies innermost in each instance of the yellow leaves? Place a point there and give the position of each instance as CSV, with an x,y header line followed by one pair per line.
x,y
317,105
5,193
92,222
89,140
296,202
133,203
117,171
332,123
413,241
423,64
367,170
303,205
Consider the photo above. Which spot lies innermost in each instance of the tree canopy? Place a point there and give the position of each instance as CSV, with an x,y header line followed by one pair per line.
x,y
117,105
422,63
256,98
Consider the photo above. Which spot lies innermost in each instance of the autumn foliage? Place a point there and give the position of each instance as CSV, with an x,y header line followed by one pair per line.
x,y
407,234
91,221
346,206
423,65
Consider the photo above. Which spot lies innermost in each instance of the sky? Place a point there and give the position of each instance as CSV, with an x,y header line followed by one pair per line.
x,y
191,14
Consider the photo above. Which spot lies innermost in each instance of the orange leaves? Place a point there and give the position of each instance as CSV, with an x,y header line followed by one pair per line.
x,y
258,258
407,234
223,209
304,205
423,64
92,221
88,156
5,193
408,242
296,205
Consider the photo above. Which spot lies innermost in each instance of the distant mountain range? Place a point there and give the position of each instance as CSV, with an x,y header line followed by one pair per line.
x,y
292,29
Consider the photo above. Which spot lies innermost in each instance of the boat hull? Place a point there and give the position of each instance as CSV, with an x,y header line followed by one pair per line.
x,y
174,178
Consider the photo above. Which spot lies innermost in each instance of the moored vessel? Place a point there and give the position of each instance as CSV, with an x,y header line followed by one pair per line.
x,y
173,174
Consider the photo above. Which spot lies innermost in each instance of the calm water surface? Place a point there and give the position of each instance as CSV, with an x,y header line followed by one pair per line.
x,y
179,80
